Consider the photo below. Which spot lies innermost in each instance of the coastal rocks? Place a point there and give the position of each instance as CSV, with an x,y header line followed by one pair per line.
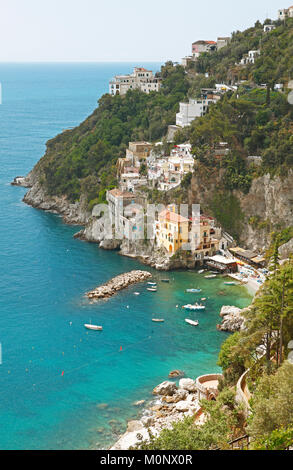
x,y
233,319
73,213
134,426
118,283
176,374
188,384
21,181
139,403
182,406
161,414
110,244
165,389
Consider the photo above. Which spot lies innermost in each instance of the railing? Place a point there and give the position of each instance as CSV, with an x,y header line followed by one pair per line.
x,y
242,392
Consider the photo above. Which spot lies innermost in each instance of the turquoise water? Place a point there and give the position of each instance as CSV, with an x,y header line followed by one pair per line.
x,y
45,273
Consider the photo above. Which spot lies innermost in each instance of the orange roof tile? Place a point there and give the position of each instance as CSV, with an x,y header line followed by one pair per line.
x,y
172,216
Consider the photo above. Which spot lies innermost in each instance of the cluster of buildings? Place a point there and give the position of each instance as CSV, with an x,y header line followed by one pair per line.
x,y
141,79
201,47
143,166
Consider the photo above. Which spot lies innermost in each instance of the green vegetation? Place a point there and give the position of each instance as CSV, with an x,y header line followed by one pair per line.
x,y
225,206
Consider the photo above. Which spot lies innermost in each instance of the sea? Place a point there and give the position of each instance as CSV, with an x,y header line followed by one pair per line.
x,y
62,386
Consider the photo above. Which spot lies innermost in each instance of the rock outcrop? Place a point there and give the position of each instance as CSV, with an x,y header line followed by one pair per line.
x,y
188,384
175,374
165,388
286,250
72,213
118,283
233,318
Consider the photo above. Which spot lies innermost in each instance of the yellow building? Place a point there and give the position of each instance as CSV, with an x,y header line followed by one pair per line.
x,y
171,231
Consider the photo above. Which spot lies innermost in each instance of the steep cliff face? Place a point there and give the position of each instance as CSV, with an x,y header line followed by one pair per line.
x,y
271,201
38,197
248,217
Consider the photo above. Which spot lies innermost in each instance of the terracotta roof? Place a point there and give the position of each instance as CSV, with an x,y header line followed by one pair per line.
x,y
172,216
117,193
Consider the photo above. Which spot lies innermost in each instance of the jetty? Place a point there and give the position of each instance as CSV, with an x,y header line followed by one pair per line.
x,y
118,283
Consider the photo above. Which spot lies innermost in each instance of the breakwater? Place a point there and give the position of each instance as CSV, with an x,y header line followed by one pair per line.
x,y
118,283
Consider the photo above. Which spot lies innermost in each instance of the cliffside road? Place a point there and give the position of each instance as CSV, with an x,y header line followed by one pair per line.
x,y
118,283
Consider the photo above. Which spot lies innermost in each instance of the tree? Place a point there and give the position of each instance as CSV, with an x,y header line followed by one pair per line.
x,y
272,403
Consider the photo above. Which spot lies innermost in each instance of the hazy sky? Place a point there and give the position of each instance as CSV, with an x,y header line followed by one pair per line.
x,y
120,30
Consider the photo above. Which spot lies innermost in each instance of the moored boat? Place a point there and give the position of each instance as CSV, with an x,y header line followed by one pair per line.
x,y
165,280
211,276
194,307
191,322
152,289
158,320
93,327
193,291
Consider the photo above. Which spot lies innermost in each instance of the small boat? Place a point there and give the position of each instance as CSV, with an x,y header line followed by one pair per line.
x,y
191,322
193,291
194,307
230,283
136,293
201,271
152,289
93,327
211,276
203,299
165,280
152,283
158,320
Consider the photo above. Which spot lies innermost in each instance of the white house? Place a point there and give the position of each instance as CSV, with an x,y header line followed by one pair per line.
x,y
141,79
194,109
269,27
250,57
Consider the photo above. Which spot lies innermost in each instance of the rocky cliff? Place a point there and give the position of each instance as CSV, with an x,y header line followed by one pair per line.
x,y
248,217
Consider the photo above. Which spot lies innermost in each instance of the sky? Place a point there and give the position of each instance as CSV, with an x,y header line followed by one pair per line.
x,y
120,30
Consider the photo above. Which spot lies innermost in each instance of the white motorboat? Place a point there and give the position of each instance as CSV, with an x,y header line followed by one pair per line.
x,y
93,327
193,291
201,271
152,289
158,320
152,283
211,276
191,322
194,307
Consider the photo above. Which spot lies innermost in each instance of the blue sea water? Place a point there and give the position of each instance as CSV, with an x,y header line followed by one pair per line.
x,y
61,386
